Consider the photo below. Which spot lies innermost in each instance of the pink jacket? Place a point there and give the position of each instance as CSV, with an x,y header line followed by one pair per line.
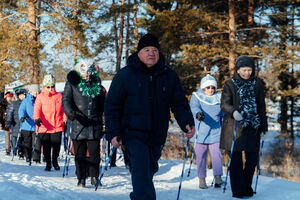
x,y
48,108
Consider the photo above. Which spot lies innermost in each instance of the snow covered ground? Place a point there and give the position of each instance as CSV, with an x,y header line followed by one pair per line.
x,y
19,181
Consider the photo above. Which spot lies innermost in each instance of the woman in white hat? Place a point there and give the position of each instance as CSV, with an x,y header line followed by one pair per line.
x,y
205,106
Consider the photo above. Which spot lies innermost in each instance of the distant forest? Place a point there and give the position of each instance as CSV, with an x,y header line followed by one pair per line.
x,y
197,37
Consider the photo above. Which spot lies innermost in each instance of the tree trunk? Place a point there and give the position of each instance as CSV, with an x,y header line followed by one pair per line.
x,y
127,30
231,55
292,136
119,53
34,54
251,12
75,46
250,22
115,30
135,23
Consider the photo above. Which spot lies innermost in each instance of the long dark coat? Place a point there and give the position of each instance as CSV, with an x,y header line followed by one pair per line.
x,y
248,138
88,125
140,102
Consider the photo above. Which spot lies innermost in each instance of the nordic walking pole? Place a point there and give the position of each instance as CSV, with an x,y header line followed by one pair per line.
x,y
182,172
231,149
258,165
103,149
105,168
16,145
35,139
68,151
193,153
9,140
69,158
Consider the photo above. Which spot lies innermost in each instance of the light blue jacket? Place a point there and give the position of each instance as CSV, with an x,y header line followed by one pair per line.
x,y
208,130
26,108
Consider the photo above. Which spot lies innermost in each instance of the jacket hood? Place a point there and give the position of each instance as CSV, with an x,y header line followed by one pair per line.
x,y
74,78
134,62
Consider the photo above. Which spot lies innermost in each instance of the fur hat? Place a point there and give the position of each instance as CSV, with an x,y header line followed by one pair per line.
x,y
48,80
208,80
244,61
148,40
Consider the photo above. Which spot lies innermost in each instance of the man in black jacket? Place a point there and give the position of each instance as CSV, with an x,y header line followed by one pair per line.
x,y
137,112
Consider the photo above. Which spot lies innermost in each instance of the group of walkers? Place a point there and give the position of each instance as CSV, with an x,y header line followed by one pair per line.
x,y
35,120
136,113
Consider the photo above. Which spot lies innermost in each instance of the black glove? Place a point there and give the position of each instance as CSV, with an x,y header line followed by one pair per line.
x,y
200,116
24,118
38,122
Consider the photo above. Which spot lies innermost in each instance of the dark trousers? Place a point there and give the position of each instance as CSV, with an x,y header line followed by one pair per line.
x,y
87,165
241,178
144,164
27,139
51,141
114,155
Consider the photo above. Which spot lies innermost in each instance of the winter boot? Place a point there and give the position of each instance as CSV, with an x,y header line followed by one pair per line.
x,y
81,182
21,155
94,181
202,183
249,192
48,167
218,181
55,164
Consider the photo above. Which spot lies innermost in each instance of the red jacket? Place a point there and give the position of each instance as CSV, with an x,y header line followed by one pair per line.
x,y
48,108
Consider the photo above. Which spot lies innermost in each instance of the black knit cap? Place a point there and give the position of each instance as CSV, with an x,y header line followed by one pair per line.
x,y
148,40
243,61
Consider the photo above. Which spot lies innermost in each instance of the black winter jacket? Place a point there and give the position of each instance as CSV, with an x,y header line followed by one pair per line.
x,y
138,102
89,121
248,138
3,107
12,117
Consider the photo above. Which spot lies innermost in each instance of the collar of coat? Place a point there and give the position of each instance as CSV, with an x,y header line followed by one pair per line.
x,y
74,78
210,100
44,92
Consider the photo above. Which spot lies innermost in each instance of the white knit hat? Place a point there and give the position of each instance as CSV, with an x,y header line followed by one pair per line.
x,y
208,80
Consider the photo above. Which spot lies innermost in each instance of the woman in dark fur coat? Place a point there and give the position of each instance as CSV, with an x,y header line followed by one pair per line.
x,y
243,102
83,103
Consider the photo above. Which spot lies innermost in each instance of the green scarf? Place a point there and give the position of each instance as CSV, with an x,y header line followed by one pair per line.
x,y
89,88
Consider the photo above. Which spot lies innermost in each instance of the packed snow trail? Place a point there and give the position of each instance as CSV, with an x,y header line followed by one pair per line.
x,y
19,181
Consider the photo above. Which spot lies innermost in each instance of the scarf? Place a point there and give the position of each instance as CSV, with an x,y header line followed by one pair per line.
x,y
248,108
90,88
210,100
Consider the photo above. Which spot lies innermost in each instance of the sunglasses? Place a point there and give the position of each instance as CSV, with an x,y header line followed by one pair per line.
x,y
52,87
211,87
